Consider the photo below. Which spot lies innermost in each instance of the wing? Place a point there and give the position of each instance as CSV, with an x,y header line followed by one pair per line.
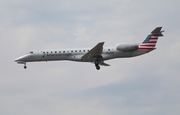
x,y
94,52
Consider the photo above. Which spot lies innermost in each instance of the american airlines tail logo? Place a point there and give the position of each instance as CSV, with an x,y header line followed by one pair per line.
x,y
150,42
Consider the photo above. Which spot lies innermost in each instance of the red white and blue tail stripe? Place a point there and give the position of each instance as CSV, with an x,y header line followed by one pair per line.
x,y
150,42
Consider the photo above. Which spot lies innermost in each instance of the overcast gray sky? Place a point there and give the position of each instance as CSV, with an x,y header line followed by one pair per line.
x,y
144,85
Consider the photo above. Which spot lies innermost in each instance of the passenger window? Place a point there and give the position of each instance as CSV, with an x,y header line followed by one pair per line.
x,y
79,50
84,50
108,49
55,52
63,51
72,51
75,50
59,51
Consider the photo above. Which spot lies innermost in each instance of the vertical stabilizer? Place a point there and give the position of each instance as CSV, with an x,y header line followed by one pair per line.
x,y
150,42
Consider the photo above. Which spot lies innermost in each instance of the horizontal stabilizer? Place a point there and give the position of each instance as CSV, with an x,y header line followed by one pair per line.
x,y
157,31
103,64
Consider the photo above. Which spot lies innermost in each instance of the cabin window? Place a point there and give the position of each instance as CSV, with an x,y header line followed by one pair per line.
x,y
59,51
75,50
71,50
79,50
55,52
108,49
63,51
51,52
88,50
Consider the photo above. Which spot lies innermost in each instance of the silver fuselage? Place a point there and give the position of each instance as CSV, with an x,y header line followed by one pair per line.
x,y
75,55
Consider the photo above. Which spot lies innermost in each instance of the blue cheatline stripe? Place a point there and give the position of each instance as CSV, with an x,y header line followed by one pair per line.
x,y
147,38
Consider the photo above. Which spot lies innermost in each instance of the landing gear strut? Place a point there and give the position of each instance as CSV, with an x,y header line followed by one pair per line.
x,y
97,64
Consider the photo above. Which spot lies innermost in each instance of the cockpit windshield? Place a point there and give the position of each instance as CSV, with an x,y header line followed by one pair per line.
x,y
31,52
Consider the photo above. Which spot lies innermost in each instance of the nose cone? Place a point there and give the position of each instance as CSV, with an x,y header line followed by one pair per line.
x,y
18,59
22,58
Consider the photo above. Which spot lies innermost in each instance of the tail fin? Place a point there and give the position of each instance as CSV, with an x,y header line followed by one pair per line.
x,y
150,42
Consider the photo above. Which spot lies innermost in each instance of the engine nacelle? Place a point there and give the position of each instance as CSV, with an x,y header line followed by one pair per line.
x,y
127,47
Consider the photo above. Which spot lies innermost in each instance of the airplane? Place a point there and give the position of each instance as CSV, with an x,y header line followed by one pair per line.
x,y
97,54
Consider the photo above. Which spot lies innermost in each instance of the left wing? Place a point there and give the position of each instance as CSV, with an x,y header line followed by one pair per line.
x,y
94,52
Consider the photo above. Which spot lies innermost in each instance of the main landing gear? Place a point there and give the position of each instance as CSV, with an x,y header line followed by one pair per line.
x,y
97,64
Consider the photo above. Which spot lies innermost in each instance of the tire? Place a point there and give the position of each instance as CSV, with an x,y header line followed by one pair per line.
x,y
98,67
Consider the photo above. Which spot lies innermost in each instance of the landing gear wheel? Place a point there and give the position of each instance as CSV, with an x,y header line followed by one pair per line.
x,y
25,67
97,67
97,64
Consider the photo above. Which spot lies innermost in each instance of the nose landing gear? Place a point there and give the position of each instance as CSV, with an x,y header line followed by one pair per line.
x,y
25,67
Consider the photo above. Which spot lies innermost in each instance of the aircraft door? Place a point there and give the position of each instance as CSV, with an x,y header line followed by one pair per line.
x,y
38,54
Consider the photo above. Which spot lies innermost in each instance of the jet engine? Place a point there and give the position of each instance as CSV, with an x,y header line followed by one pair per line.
x,y
127,47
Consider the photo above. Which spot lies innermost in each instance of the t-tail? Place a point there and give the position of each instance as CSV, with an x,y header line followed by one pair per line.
x,y
150,42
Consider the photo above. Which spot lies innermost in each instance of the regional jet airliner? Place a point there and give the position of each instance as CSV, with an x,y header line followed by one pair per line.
x,y
97,55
